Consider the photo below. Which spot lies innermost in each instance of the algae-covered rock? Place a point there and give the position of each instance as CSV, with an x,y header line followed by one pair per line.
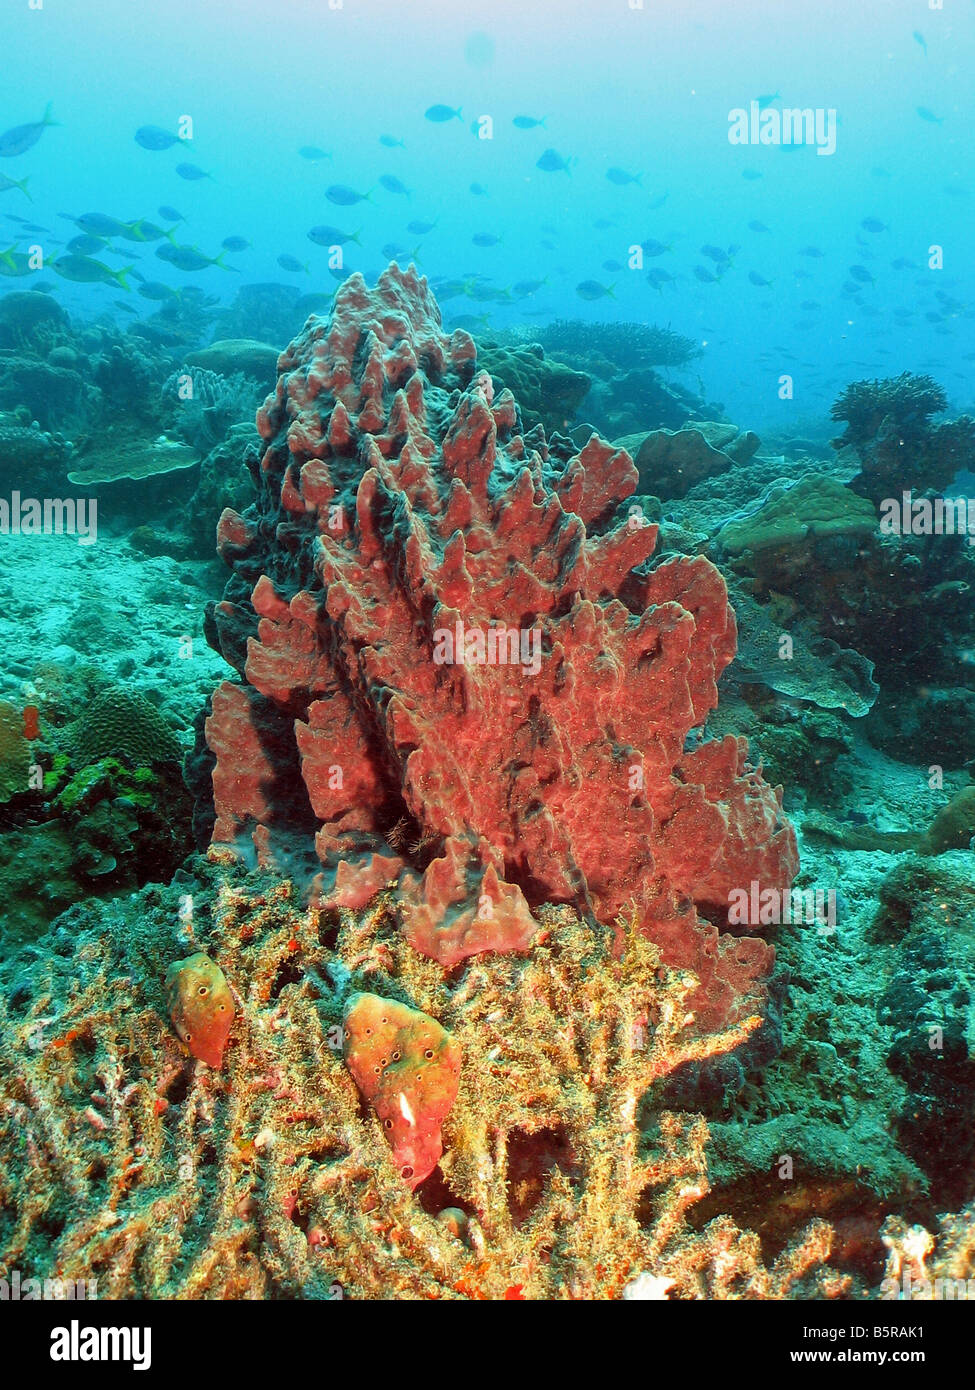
x,y
54,396
928,907
114,459
123,724
548,392
28,318
229,356
792,519
805,665
670,462
15,756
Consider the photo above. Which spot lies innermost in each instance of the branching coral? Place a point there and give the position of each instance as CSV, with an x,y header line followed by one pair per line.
x,y
626,344
125,1161
888,423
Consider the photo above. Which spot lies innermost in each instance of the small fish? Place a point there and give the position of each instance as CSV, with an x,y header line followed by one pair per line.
x,y
658,202
142,230
324,235
810,306
612,266
764,101
394,185
293,264
873,224
759,280
156,290
489,294
812,251
862,274
704,275
169,214
420,228
235,243
83,270
486,239
471,321
201,1007
6,184
100,224
189,258
751,174
528,122
919,39
14,264
192,172
479,190
621,178
524,288
551,162
313,153
85,245
591,290
126,308
757,226
652,247
391,142
929,116
439,114
153,137
22,138
345,197
657,276
715,253
450,289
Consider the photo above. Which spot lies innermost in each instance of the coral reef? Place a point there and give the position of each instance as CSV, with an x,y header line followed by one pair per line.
x,y
670,462
127,1162
787,537
547,391
888,423
233,357
376,652
624,344
121,723
114,459
208,404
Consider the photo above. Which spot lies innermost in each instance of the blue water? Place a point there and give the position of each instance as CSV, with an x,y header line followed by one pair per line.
x,y
647,91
